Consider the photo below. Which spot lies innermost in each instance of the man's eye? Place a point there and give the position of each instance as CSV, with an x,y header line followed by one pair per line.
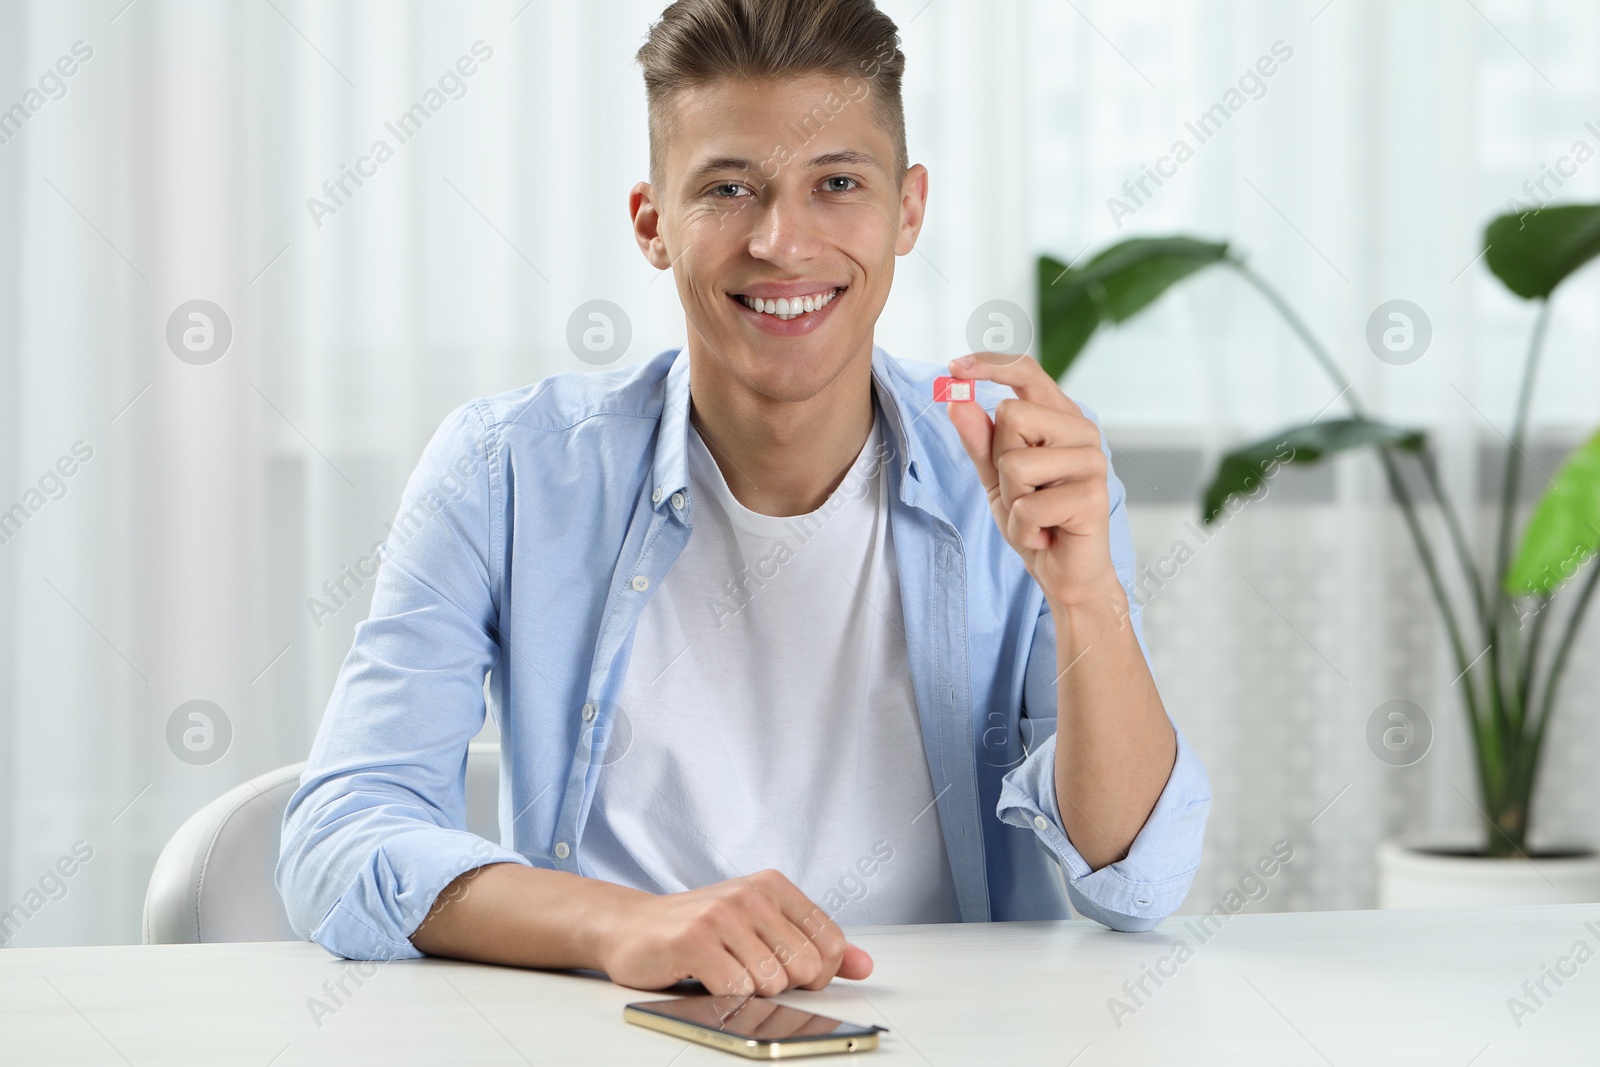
x,y
841,178
716,190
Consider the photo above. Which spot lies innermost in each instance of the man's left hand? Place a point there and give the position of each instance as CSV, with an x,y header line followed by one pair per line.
x,y
1041,463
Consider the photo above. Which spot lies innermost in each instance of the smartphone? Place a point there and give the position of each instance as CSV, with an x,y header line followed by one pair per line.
x,y
750,1026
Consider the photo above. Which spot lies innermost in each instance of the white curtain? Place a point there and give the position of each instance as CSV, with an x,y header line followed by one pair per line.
x,y
210,499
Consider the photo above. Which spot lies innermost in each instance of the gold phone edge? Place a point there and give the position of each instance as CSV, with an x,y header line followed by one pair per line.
x,y
755,1050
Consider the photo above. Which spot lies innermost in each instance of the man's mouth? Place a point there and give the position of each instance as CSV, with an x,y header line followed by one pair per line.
x,y
787,308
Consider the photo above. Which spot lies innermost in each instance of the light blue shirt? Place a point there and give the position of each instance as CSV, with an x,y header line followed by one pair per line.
x,y
528,540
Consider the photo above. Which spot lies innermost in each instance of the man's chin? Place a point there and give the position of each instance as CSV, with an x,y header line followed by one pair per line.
x,y
787,381
791,386
791,370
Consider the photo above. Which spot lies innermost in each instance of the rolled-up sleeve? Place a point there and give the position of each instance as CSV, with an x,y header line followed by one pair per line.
x,y
1148,884
1139,890
376,829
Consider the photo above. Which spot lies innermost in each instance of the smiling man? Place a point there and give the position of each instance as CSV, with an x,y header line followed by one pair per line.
x,y
773,644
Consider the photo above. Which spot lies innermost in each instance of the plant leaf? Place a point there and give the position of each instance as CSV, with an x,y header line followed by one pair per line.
x,y
1243,469
1119,282
1564,530
1065,322
1533,252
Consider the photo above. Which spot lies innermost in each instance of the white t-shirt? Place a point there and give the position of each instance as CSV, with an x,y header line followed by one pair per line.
x,y
772,717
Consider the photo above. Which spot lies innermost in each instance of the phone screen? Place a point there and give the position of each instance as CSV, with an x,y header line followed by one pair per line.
x,y
753,1018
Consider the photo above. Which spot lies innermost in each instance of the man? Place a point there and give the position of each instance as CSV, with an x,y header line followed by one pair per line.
x,y
772,642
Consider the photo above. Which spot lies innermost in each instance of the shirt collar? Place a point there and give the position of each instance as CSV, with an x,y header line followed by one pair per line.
x,y
669,471
903,408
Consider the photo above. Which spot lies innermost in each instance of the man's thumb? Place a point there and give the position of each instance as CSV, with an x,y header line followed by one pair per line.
x,y
977,437
856,964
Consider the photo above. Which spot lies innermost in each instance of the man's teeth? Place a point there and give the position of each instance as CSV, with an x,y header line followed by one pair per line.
x,y
791,307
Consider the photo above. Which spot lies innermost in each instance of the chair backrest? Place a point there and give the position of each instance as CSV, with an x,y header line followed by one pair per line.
x,y
214,879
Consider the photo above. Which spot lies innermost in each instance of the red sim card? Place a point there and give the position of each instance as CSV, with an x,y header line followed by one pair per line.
x,y
952,390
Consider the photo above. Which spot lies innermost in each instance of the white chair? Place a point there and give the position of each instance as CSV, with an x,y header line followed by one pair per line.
x,y
214,880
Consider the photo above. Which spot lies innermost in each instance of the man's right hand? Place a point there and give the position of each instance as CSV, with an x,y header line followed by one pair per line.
x,y
756,934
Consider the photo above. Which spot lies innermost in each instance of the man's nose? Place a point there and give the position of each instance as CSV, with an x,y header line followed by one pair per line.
x,y
786,229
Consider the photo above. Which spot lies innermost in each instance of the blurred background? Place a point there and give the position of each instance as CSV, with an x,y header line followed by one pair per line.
x,y
221,485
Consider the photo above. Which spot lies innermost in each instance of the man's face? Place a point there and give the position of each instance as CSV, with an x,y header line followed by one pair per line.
x,y
780,190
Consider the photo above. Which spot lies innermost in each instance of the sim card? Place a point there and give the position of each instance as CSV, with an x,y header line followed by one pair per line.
x,y
952,390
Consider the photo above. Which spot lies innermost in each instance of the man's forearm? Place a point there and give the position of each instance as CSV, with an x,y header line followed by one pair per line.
x,y
753,933
1115,747
522,916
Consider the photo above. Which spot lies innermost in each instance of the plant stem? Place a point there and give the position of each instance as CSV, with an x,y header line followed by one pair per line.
x,y
1402,495
1552,680
1519,433
1469,568
1530,657
1508,506
1314,346
1558,663
1431,568
1396,485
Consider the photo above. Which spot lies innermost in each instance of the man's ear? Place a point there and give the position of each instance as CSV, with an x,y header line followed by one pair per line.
x,y
913,208
647,225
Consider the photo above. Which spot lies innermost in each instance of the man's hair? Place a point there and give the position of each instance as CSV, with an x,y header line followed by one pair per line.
x,y
696,42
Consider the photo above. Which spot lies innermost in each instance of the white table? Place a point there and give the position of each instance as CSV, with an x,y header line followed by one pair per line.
x,y
1346,988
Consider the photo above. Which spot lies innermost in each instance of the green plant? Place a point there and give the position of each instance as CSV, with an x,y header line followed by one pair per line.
x,y
1507,699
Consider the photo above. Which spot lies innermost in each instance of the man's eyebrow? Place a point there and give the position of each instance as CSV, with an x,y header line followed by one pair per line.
x,y
844,157
712,166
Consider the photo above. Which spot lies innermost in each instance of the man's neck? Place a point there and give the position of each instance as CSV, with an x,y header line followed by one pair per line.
x,y
782,457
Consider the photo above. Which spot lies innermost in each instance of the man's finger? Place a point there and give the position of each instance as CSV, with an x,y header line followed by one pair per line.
x,y
1022,423
1026,377
798,959
755,952
720,971
856,964
1035,515
1023,470
817,925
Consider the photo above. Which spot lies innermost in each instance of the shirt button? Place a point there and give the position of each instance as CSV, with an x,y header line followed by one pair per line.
x,y
678,501
640,582
1041,822
655,495
588,713
562,851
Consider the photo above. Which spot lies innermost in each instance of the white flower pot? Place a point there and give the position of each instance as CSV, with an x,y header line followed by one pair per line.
x,y
1412,876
